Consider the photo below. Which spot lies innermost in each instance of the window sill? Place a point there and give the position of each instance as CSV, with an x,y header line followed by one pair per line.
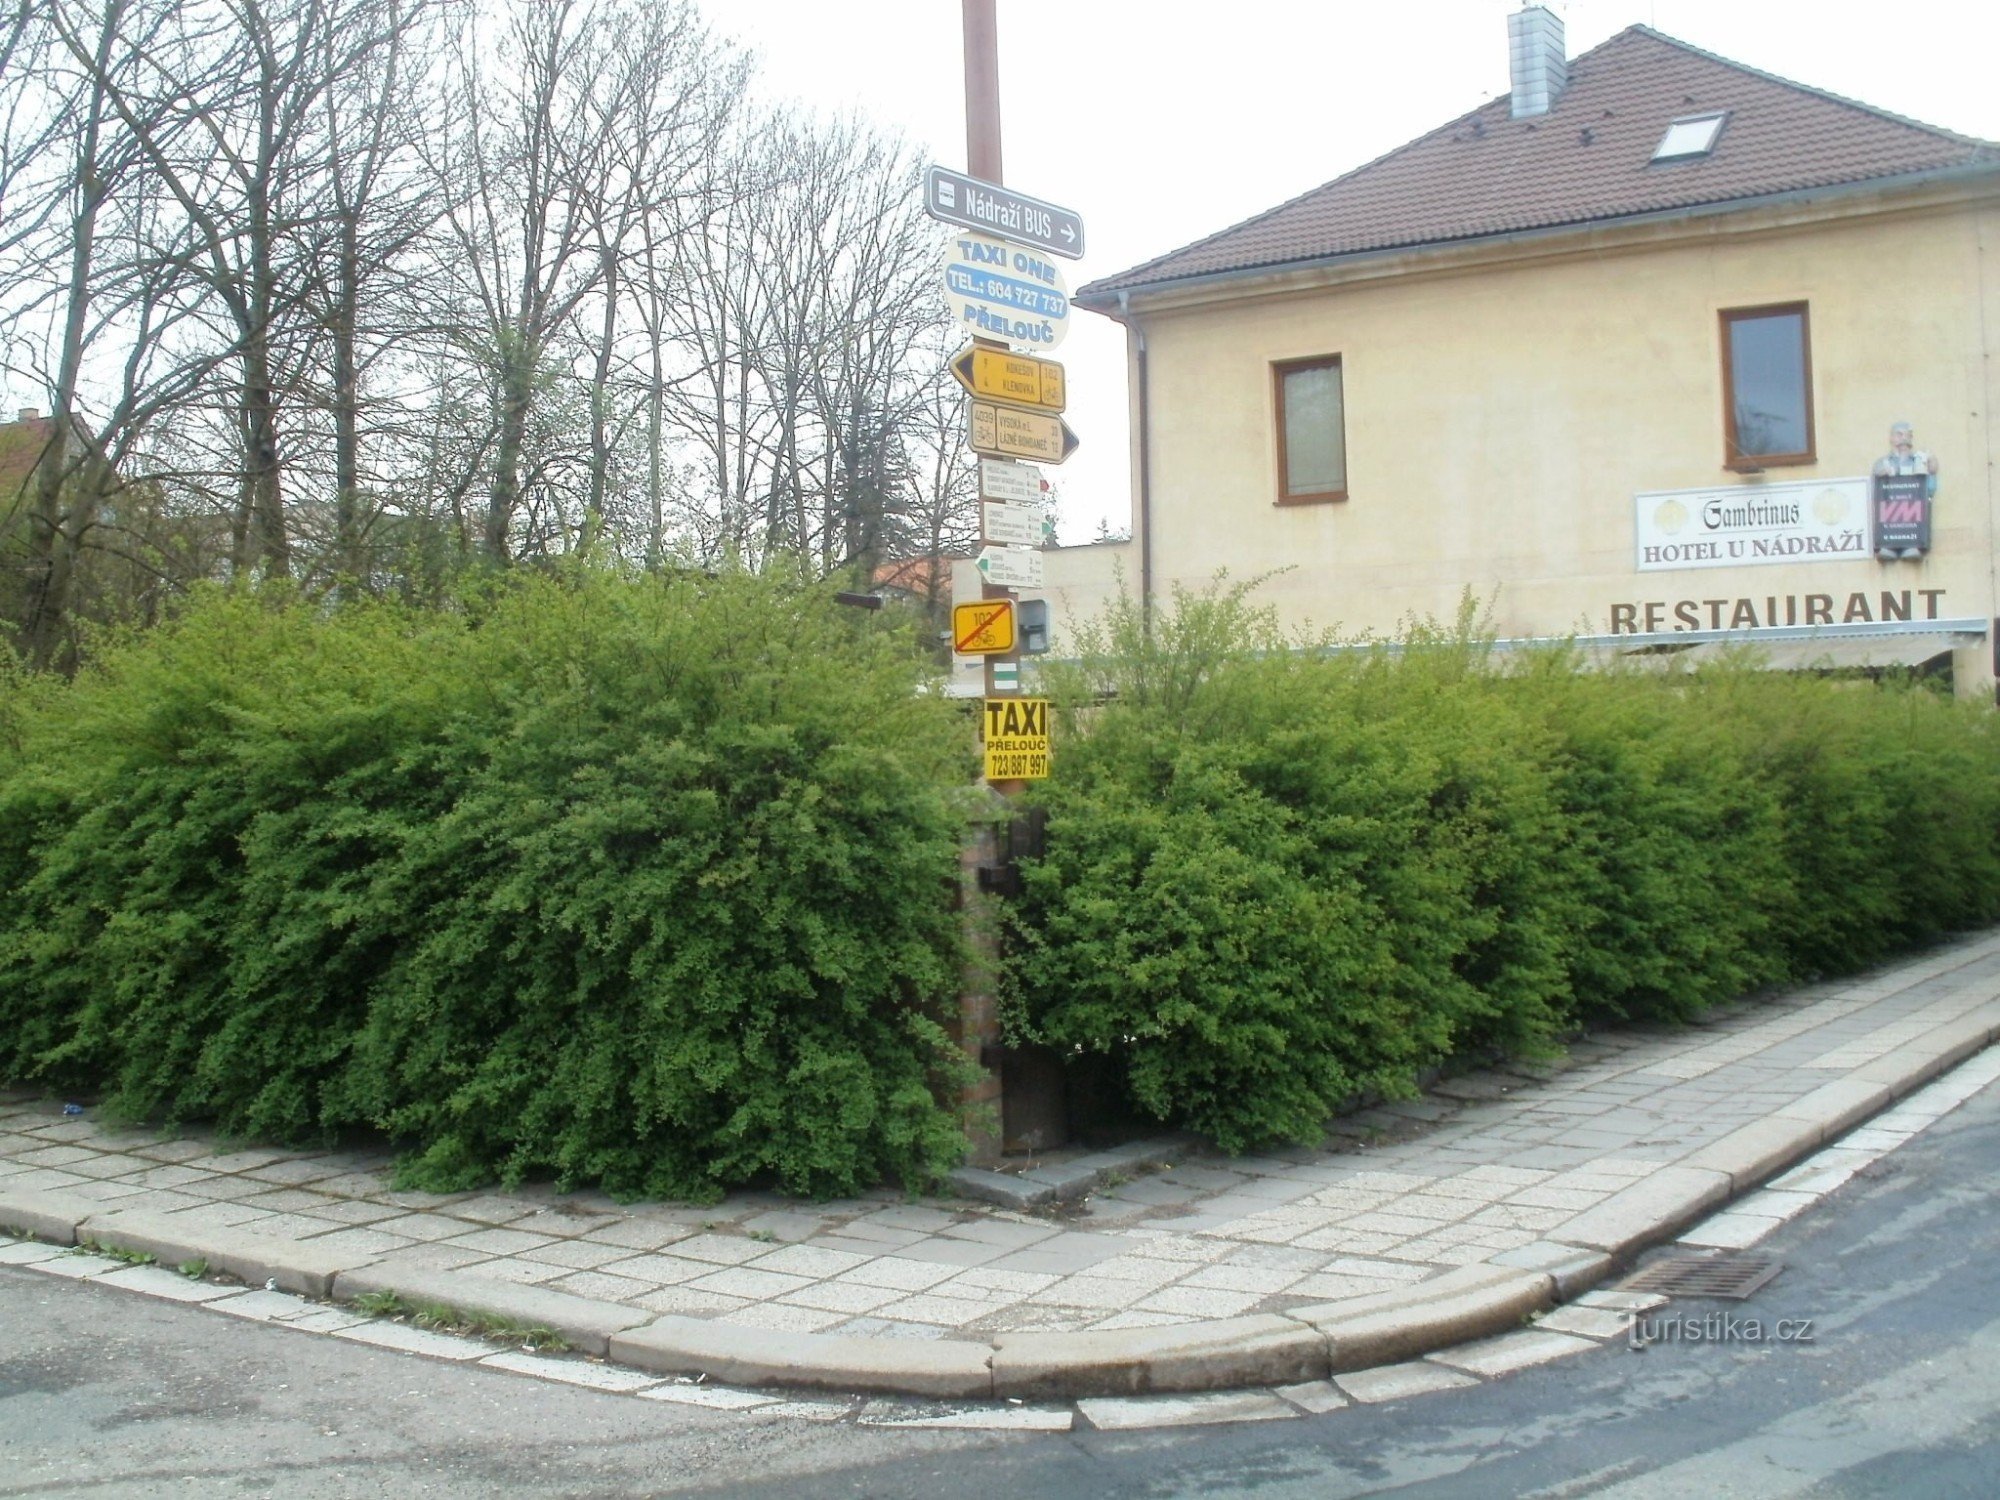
x,y
1765,461
1330,497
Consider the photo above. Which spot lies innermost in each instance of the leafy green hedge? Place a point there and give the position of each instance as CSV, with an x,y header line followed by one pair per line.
x,y
634,883
1275,877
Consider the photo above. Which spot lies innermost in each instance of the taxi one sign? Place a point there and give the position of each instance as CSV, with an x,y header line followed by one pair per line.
x,y
1017,739
1001,292
983,628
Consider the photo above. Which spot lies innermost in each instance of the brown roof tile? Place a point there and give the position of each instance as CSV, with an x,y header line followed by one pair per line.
x,y
1587,160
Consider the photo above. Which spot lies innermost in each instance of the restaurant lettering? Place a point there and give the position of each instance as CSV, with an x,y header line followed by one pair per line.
x,y
1655,616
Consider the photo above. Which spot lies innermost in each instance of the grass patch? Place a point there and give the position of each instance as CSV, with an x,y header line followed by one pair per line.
x,y
439,1317
115,1252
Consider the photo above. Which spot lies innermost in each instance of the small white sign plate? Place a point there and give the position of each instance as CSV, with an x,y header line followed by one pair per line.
x,y
1017,484
1022,525
1011,567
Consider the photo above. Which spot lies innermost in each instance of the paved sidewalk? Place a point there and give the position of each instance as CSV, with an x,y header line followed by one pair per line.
x,y
1420,1224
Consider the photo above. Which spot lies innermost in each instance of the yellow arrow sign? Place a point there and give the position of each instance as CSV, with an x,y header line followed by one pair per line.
x,y
1019,378
1010,432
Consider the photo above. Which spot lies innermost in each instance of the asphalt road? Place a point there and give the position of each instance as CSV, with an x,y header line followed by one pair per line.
x,y
104,1393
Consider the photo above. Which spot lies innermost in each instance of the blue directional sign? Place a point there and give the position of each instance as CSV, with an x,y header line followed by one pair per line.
x,y
958,199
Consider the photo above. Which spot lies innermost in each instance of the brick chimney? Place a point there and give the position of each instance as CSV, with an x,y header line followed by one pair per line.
x,y
1537,65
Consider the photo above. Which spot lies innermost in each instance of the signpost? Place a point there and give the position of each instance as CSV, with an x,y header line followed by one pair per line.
x,y
1012,432
1017,484
1019,378
1010,567
983,628
958,199
1000,291
1004,292
1019,525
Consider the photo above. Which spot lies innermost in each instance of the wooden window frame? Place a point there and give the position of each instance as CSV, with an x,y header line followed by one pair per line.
x,y
1279,370
1733,457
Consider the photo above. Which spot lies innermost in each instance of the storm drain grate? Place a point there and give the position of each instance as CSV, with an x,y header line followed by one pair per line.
x,y
1732,1276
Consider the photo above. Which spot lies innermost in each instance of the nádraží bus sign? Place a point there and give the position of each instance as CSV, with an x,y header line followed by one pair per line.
x,y
958,199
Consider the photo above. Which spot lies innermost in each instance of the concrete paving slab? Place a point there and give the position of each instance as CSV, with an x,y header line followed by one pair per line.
x,y
27,1252
713,1397
1587,1322
1729,1231
78,1265
1509,1352
588,1374
1313,1397
986,1417
168,1285
1125,1414
401,1336
1398,1382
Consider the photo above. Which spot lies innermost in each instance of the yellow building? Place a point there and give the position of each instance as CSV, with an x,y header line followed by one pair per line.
x,y
1619,353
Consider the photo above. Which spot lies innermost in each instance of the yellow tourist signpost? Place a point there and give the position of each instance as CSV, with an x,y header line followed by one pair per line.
x,y
1020,379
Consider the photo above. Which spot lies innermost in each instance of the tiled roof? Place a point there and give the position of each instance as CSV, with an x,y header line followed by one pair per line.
x,y
1588,160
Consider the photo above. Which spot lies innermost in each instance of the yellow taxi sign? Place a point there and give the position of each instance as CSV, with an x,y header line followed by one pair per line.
x,y
1016,732
983,628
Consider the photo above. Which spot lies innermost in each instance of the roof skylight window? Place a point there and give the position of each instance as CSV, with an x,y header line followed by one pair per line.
x,y
1693,135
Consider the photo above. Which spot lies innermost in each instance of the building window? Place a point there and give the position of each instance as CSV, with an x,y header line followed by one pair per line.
x,y
1767,411
1312,437
1692,136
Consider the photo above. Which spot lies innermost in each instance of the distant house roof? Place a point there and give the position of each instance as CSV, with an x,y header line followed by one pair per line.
x,y
23,444
926,577
1590,159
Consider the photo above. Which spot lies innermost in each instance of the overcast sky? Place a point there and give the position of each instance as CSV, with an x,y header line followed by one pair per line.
x,y
1161,121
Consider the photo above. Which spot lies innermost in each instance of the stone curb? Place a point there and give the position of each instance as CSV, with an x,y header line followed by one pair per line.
x,y
255,1260
50,1216
1217,1355
1386,1328
1302,1344
949,1368
586,1325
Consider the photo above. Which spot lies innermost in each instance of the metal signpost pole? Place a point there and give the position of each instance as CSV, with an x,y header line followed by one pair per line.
x,y
982,160
1005,291
980,1004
